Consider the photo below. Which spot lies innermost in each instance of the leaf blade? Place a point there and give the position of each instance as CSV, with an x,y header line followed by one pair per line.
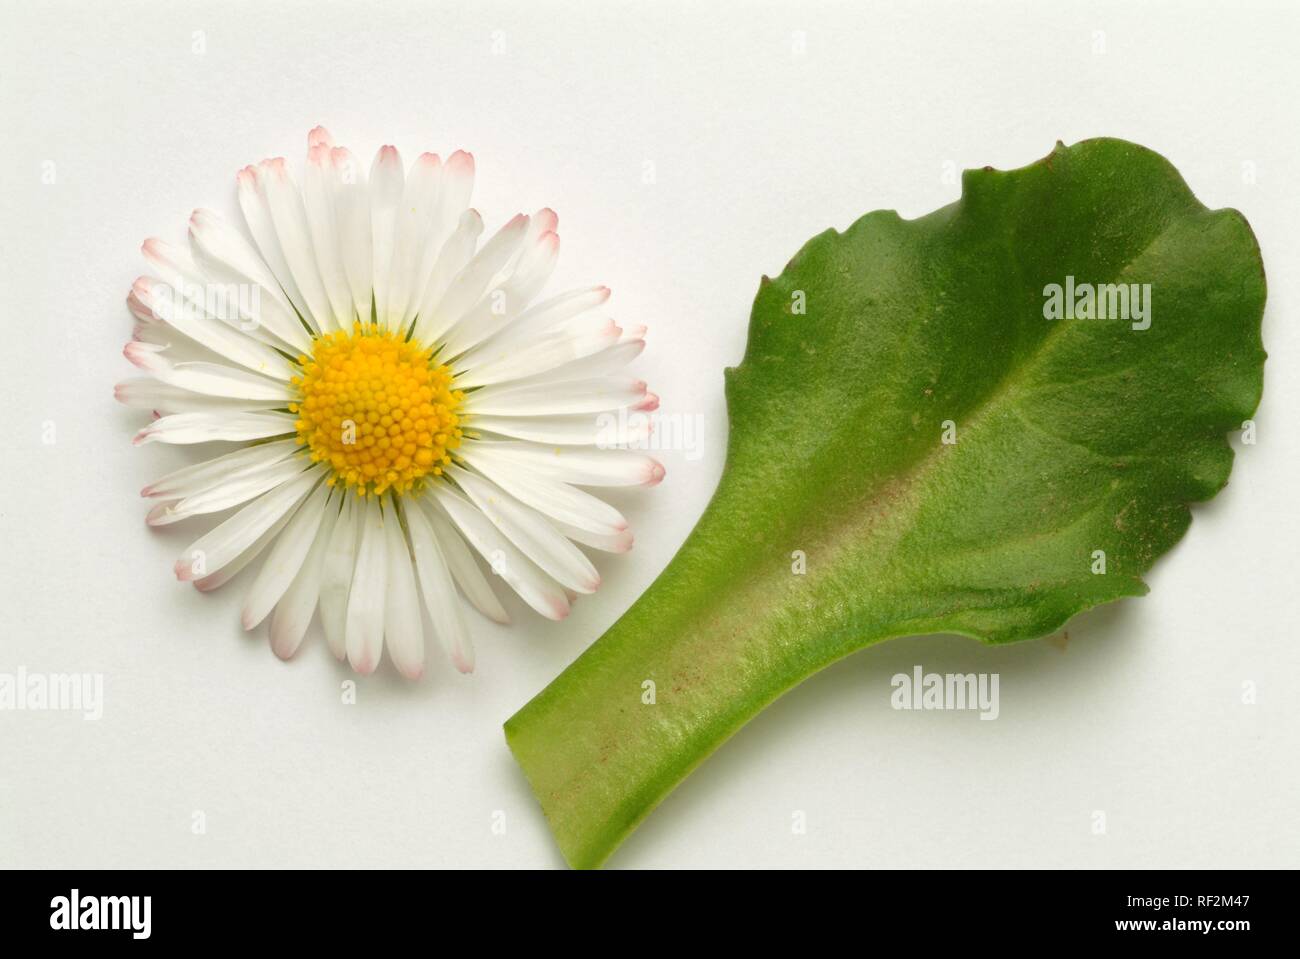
x,y
1072,436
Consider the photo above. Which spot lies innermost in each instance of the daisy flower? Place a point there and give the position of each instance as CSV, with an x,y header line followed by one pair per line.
x,y
397,399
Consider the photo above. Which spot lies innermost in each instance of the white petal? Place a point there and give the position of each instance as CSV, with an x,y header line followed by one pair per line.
x,y
439,592
201,476
352,214
536,538
590,327
465,570
146,393
336,574
471,282
212,379
208,427
227,257
546,398
222,329
218,247
413,225
452,258
178,347
284,202
231,492
442,250
601,363
387,181
551,497
219,546
254,204
506,299
558,357
176,267
453,194
540,223
447,216
318,190
619,542
285,558
583,429
205,475
293,612
403,626
232,569
549,314
364,632
584,467
533,586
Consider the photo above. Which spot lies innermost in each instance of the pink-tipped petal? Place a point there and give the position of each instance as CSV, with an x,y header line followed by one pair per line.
x,y
342,159
160,515
144,355
464,664
461,163
546,220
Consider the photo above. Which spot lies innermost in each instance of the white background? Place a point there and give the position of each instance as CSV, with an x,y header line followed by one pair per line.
x,y
756,144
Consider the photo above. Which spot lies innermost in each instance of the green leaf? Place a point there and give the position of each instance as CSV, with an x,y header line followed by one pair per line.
x,y
1074,438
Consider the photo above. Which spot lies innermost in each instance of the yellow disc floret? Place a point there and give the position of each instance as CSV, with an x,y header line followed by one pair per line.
x,y
377,409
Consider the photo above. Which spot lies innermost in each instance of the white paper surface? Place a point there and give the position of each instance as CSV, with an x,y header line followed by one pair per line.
x,y
688,148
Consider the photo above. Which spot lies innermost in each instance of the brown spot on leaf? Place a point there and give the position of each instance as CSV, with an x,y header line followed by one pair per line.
x,y
1059,641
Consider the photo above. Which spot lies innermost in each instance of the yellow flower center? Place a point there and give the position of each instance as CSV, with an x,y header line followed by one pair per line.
x,y
377,409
